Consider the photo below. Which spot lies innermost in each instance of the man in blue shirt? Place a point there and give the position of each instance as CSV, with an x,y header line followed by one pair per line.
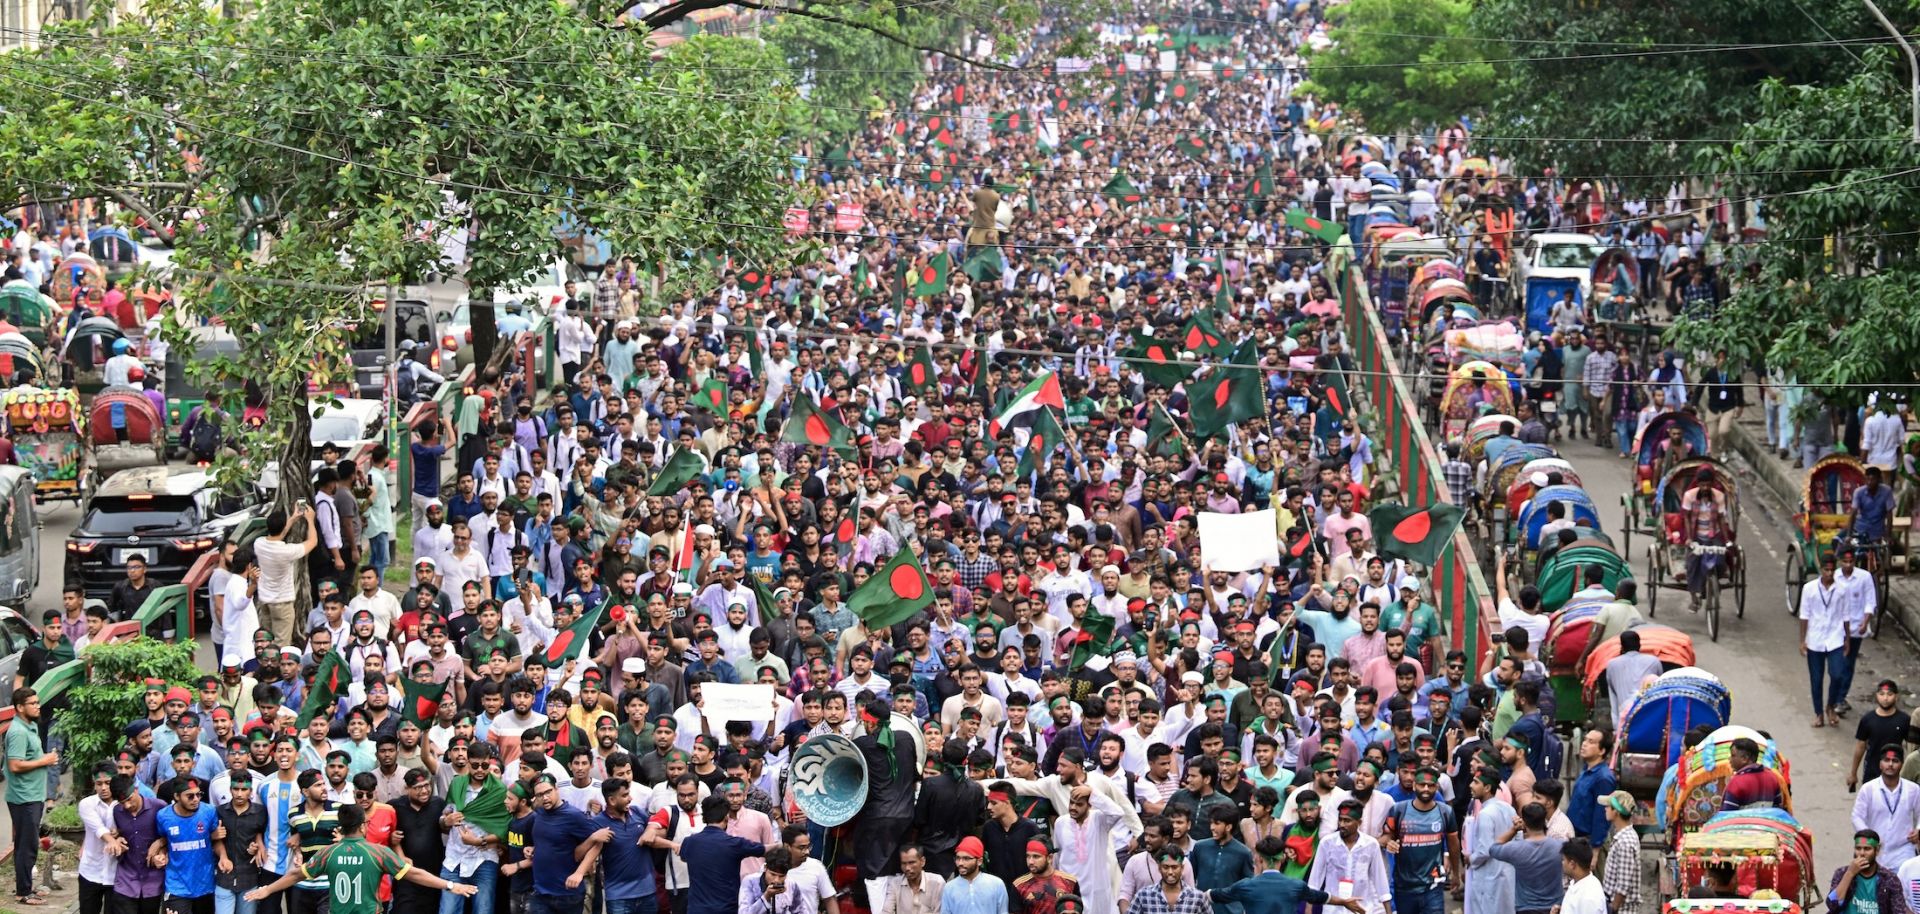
x,y
562,853
1220,861
713,860
1586,807
1423,838
1274,892
626,867
187,827
972,891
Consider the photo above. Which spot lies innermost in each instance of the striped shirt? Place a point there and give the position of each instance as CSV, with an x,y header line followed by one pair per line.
x,y
317,832
281,799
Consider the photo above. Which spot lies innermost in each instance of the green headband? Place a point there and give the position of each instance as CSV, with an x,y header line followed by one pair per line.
x,y
1323,765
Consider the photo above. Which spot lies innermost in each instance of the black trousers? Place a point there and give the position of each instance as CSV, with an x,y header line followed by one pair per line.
x,y
876,846
200,905
124,905
26,844
308,901
94,897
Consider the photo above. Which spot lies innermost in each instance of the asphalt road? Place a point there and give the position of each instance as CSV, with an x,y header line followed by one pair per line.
x,y
1758,655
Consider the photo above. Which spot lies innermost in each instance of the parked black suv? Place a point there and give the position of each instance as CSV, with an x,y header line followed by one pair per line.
x,y
167,516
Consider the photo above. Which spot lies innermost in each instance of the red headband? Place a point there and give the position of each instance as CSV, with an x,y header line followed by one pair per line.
x,y
1037,847
999,796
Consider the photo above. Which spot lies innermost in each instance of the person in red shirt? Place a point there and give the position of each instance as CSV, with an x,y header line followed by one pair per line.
x,y
380,823
1751,784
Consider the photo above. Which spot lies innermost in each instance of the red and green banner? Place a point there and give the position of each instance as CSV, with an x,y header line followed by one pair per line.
x,y
570,642
420,701
330,679
894,594
1414,534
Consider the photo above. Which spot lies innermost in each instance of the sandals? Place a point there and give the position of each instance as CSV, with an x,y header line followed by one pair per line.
x,y
34,900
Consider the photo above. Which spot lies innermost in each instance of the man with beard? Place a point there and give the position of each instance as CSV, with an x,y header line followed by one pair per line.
x,y
1094,806
971,891
1375,804
949,804
1490,882
1325,786
1144,869
1042,887
1424,841
892,774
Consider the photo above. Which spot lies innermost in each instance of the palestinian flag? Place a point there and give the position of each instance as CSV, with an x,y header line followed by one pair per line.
x,y
1328,232
1122,190
420,701
893,594
984,264
1182,91
756,282
330,681
712,397
1194,146
1414,534
921,374
931,279
1163,435
1155,358
1011,122
1230,394
571,642
1040,393
1083,143
683,467
1200,337
809,424
1047,435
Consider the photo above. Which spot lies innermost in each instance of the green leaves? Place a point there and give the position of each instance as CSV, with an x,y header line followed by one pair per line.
x,y
1404,63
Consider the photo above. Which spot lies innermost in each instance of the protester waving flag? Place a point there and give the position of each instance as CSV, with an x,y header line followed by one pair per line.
x,y
570,642
330,678
683,467
1040,393
1415,534
894,594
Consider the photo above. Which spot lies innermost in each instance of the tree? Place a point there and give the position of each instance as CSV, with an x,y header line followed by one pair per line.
x,y
1591,88
303,153
113,693
846,71
1830,300
1387,63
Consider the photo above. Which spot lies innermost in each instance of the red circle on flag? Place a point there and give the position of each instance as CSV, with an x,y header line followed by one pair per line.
x,y
1156,353
844,532
1179,91
929,275
906,582
1414,527
1222,394
558,649
817,431
933,123
1195,338
918,373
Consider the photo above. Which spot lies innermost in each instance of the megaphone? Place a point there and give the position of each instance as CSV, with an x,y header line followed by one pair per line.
x,y
828,779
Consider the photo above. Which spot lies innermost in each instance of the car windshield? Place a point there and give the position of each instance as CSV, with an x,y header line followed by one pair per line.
x,y
120,515
1567,256
336,427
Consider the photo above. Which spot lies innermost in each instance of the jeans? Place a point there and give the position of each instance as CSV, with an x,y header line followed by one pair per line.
x,y
482,902
380,552
646,904
1849,657
1430,901
1623,434
26,843
1810,454
228,901
557,904
1834,663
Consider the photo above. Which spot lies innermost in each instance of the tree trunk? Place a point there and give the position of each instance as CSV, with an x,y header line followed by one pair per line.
x,y
486,330
296,491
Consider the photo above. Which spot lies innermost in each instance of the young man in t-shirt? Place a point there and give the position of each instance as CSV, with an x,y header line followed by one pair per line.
x,y
350,870
187,826
1424,839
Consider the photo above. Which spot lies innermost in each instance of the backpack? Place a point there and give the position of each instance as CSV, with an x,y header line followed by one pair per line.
x,y
1553,756
205,437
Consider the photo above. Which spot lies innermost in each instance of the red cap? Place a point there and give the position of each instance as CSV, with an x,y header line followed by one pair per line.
x,y
1223,657
1037,847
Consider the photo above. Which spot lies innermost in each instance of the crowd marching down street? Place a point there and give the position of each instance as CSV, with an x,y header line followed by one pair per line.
x,y
1030,551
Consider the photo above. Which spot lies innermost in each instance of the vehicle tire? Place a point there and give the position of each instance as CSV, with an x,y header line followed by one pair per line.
x,y
1882,579
1739,586
1653,579
1796,579
1712,600
1626,526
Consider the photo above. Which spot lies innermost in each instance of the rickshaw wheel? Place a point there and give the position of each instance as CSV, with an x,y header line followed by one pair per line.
x,y
1711,601
1796,578
1653,579
1626,527
1739,586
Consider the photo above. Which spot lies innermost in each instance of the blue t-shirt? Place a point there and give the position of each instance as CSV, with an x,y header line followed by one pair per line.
x,y
1421,864
1331,631
628,867
426,469
713,869
553,836
189,850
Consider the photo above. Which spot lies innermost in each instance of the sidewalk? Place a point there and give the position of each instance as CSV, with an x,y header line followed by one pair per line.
x,y
1785,485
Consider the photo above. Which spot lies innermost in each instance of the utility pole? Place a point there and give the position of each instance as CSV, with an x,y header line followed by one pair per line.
x,y
1913,61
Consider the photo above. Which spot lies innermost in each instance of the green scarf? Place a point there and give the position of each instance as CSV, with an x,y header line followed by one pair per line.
x,y
487,810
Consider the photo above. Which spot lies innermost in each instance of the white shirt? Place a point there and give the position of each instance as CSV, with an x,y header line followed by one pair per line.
x,y
239,619
1824,611
277,560
384,606
1361,865
96,866
456,570
1862,599
1909,874
1584,896
1894,812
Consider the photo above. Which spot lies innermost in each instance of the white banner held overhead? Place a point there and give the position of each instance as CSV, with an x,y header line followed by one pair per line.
x,y
722,702
1239,542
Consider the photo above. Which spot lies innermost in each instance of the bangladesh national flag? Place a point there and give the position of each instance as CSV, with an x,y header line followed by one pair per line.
x,y
1047,435
809,424
984,264
712,396
1011,122
769,605
1040,393
1182,91
1096,638
842,536
571,642
942,138
420,701
1227,72
683,467
893,594
1200,337
1223,294
756,282
1122,190
1414,534
1167,226
330,681
1260,187
936,176
1337,396
1230,394
1163,435
921,374
1328,232
902,275
1195,146
756,356
1156,359
1083,143
931,279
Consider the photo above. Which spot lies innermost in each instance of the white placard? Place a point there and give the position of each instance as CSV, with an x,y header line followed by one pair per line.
x,y
1239,542
722,702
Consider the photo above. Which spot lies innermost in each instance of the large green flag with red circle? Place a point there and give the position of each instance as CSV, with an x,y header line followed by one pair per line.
x,y
420,701
893,594
1415,534
330,679
809,424
570,642
921,374
1231,393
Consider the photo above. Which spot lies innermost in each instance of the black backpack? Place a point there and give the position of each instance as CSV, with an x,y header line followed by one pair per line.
x,y
205,438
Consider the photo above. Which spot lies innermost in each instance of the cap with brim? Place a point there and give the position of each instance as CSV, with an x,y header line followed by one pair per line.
x,y
1619,801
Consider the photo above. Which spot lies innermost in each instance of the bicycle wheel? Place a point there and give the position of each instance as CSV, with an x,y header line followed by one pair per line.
x,y
1653,579
1739,586
1796,579
1712,599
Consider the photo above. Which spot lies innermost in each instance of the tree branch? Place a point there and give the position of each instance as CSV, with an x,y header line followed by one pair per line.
x,y
674,12
140,208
